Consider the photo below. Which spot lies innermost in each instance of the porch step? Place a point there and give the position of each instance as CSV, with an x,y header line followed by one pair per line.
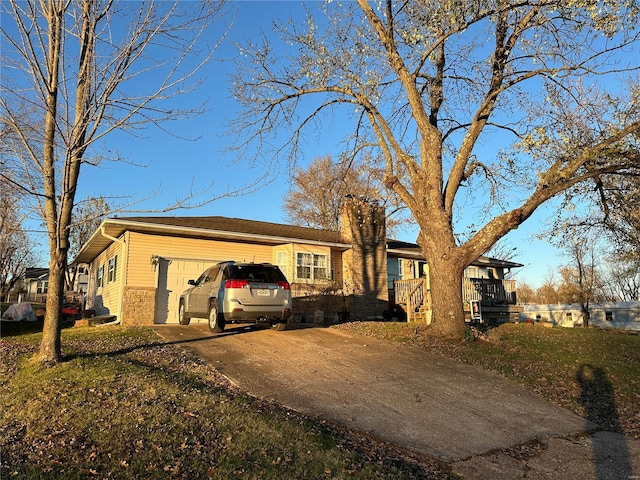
x,y
421,316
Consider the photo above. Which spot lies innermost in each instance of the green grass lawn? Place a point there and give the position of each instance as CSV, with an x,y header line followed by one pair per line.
x,y
123,404
594,373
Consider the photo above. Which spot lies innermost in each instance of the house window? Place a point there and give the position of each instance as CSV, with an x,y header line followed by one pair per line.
x,y
100,277
42,287
472,272
282,260
608,316
311,266
394,271
111,271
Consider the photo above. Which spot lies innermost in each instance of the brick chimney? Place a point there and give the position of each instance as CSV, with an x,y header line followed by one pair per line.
x,y
362,224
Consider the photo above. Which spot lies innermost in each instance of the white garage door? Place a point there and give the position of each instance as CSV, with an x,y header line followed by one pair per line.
x,y
173,275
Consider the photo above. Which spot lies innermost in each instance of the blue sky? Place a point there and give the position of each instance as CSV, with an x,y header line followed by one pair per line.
x,y
173,167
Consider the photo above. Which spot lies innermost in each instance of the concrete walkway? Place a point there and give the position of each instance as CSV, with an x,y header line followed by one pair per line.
x,y
429,404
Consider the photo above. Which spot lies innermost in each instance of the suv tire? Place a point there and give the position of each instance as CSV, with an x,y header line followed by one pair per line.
x,y
278,326
216,321
182,316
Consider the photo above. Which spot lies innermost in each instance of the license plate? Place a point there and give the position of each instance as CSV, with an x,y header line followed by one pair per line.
x,y
263,293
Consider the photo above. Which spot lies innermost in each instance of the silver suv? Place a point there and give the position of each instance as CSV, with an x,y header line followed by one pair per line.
x,y
232,292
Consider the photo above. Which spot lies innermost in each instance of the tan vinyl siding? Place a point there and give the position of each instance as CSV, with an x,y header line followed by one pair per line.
x,y
143,247
407,270
336,267
167,263
107,299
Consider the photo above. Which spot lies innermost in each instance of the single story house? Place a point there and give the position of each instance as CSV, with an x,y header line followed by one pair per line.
x,y
139,266
622,315
36,283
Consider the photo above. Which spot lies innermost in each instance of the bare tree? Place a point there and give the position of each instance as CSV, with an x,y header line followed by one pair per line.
x,y
623,278
16,248
620,197
81,69
580,278
547,293
87,217
433,86
526,294
317,192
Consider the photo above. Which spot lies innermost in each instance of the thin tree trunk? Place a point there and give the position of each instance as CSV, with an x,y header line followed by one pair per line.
x,y
50,345
50,350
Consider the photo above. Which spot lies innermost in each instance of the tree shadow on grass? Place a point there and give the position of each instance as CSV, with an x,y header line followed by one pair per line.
x,y
610,449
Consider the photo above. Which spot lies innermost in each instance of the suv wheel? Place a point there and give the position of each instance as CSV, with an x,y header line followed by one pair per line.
x,y
182,317
216,322
278,326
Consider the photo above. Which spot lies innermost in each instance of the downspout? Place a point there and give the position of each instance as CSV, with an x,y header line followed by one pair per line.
x,y
115,322
121,242
107,236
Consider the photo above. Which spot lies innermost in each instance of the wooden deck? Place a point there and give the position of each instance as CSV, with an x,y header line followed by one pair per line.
x,y
497,298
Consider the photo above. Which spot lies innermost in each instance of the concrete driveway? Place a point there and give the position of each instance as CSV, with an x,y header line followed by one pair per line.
x,y
426,403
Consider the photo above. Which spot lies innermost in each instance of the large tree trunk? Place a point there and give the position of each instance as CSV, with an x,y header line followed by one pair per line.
x,y
446,267
447,316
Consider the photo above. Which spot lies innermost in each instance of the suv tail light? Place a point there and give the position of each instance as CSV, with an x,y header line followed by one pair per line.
x,y
236,284
284,285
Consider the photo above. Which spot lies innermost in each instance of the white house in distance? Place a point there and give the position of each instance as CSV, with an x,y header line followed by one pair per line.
x,y
622,315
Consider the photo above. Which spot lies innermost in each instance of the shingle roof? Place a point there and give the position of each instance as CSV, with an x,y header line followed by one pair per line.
x,y
35,272
215,226
240,225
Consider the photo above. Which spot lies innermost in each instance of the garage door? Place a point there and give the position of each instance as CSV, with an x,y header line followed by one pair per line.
x,y
173,275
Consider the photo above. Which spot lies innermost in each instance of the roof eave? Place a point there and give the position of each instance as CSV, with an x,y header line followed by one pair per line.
x,y
86,255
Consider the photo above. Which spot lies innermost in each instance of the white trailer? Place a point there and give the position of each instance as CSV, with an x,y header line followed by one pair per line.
x,y
622,315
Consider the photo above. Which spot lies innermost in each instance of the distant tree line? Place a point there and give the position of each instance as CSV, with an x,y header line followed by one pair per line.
x,y
614,281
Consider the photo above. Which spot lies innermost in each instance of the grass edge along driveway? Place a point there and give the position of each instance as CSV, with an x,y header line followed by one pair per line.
x,y
123,404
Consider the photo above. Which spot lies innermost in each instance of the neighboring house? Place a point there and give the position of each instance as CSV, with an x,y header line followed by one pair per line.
x,y
36,284
140,265
623,315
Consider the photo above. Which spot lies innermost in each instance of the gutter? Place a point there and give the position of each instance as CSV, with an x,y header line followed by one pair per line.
x,y
109,237
227,234
123,243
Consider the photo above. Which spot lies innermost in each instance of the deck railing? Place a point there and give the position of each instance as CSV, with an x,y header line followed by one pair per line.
x,y
489,291
413,292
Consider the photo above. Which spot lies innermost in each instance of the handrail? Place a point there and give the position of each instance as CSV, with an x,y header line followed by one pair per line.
x,y
416,296
489,291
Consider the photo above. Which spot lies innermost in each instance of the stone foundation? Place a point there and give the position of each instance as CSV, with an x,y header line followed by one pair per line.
x,y
138,306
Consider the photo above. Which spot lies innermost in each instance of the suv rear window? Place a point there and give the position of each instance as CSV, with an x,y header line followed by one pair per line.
x,y
256,273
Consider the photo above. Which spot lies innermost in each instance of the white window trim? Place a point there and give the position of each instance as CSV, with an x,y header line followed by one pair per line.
x,y
311,262
112,269
100,277
283,261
